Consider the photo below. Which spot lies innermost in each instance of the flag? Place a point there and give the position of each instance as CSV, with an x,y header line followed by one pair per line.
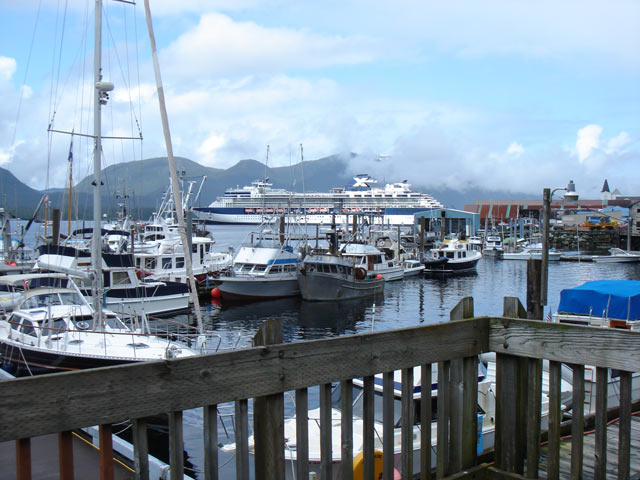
x,y
549,316
71,149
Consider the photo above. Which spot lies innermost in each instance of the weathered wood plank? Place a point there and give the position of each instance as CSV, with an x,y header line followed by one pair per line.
x,y
65,455
79,397
600,470
469,447
210,436
176,445
105,433
23,459
141,449
566,343
302,433
268,415
241,408
577,422
425,422
346,406
624,438
553,458
506,438
443,413
387,425
368,417
408,415
455,415
533,413
326,454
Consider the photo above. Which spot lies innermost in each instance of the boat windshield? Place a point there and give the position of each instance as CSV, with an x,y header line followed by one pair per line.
x,y
50,299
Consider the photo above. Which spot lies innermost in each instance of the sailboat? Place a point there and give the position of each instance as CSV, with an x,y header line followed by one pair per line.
x,y
56,328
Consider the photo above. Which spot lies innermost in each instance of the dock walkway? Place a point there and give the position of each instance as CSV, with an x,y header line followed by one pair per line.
x,y
589,452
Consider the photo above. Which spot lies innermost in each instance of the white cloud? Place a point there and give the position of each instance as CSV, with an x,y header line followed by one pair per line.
x,y
208,148
7,68
515,149
220,46
617,143
4,157
588,141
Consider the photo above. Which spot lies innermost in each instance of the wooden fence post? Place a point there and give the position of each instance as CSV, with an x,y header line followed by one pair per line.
x,y
268,416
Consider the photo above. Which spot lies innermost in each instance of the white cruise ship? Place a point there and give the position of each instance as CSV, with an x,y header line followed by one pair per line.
x,y
395,204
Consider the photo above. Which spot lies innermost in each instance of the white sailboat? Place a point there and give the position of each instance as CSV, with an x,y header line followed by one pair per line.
x,y
56,328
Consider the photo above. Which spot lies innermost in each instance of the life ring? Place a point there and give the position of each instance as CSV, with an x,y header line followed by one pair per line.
x,y
360,273
82,325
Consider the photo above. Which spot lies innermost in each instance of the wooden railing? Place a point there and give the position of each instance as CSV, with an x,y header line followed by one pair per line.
x,y
41,405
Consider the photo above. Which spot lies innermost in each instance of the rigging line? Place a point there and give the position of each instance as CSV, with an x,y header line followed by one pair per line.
x,y
124,79
24,83
135,29
59,68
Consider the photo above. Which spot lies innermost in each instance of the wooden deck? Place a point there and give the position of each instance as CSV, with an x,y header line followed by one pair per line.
x,y
588,466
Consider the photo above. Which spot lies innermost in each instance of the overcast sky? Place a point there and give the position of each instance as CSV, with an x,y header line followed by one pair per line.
x,y
507,95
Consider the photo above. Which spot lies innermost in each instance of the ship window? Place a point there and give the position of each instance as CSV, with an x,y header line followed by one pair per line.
x,y
27,328
334,269
450,254
15,322
312,267
275,269
260,268
58,324
179,262
166,263
150,263
119,278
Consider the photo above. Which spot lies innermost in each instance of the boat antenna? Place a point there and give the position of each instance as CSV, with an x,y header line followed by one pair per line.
x,y
175,185
304,192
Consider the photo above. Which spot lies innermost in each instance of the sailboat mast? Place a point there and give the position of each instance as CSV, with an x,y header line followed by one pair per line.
x,y
96,246
175,186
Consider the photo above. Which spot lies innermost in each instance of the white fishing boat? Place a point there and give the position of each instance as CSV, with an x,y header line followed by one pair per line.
x,y
451,257
492,246
373,260
617,255
412,266
265,268
532,251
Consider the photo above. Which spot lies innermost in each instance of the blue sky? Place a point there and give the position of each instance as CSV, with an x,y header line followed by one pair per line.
x,y
502,95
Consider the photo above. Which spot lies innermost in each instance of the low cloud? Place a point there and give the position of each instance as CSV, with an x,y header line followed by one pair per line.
x,y
7,68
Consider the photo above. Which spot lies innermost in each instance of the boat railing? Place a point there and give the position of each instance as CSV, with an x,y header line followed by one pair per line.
x,y
261,375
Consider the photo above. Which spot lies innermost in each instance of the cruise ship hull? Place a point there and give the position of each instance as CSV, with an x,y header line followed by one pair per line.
x,y
235,216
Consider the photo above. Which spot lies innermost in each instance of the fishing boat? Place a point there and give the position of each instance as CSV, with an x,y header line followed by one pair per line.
x,y
331,275
533,251
393,204
124,290
54,330
265,268
412,266
375,261
617,255
451,257
492,246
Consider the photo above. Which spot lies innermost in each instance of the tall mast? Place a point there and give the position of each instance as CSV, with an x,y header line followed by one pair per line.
x,y
98,94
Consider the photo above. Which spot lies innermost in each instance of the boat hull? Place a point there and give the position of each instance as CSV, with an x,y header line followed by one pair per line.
x,y
319,286
239,288
451,267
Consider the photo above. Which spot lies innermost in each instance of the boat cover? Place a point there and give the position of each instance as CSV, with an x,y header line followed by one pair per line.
x,y
619,299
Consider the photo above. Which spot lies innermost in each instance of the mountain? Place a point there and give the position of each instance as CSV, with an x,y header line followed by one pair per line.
x,y
15,197
141,184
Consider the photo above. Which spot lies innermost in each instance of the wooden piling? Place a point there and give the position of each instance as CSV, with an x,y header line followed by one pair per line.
x,y
268,415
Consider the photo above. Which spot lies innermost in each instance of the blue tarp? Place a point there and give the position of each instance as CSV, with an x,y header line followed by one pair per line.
x,y
619,299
